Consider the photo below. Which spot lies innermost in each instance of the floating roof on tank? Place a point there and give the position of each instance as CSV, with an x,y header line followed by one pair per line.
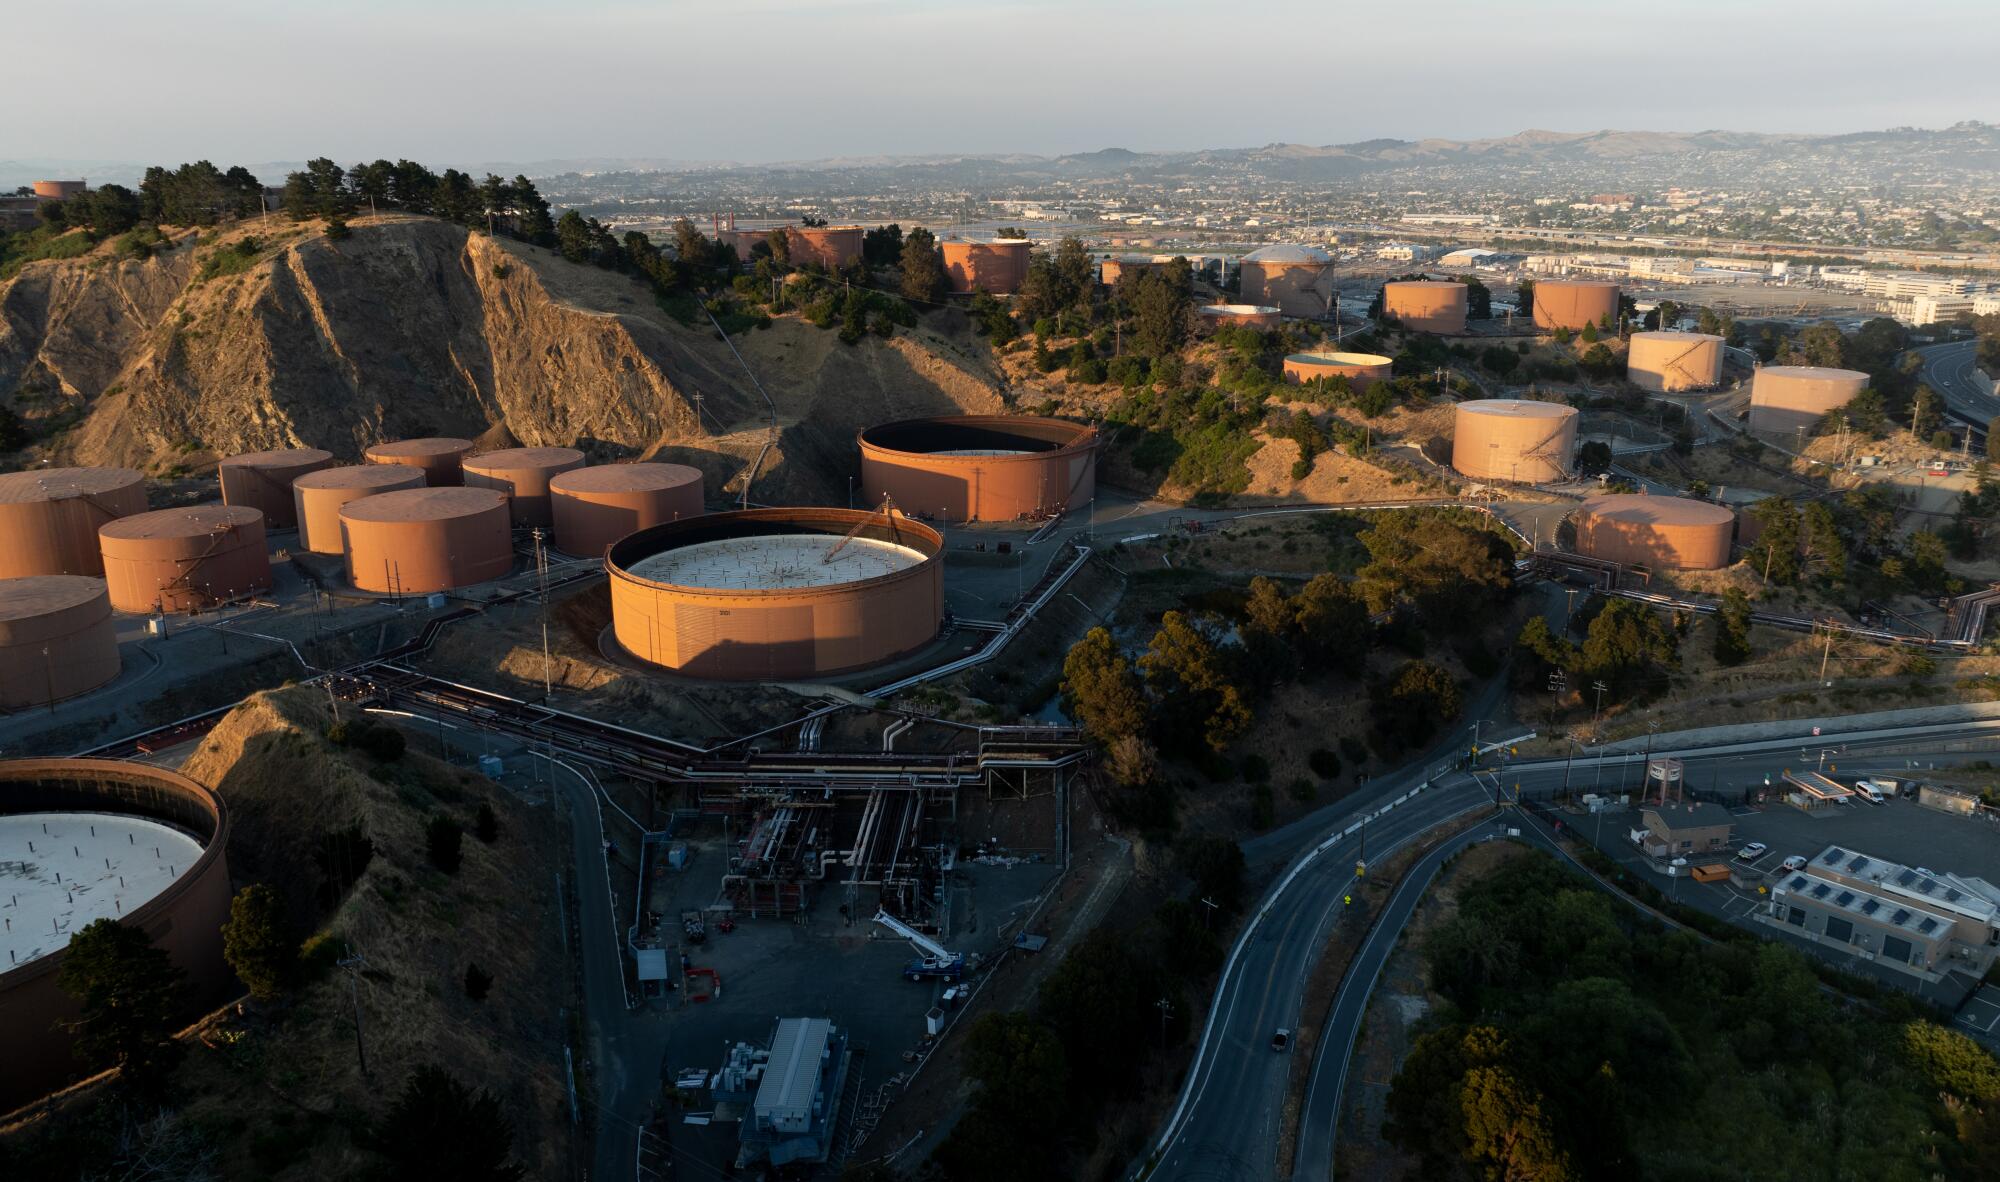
x,y
523,457
185,522
776,562
440,445
999,434
54,484
1519,408
424,504
1646,509
1288,252
39,595
283,457
1338,359
358,476
626,478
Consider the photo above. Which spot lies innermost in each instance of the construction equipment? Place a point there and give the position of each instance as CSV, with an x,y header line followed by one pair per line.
x,y
937,962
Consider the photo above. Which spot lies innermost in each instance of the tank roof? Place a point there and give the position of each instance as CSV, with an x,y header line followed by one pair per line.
x,y
776,561
39,595
118,864
1648,509
423,504
282,457
1823,372
1518,408
359,476
1238,310
1338,359
1288,252
1671,335
1541,283
52,484
1422,283
438,445
523,457
184,522
625,478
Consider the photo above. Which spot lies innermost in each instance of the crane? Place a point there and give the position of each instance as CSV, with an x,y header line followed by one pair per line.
x,y
936,960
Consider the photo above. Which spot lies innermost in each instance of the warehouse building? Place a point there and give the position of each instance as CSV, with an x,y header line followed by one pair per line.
x,y
1906,917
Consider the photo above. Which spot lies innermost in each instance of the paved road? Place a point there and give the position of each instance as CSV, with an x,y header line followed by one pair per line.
x,y
1950,370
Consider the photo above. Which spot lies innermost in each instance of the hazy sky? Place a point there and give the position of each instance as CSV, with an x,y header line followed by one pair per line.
x,y
476,81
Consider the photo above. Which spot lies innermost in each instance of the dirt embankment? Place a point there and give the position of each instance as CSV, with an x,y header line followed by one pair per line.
x,y
273,335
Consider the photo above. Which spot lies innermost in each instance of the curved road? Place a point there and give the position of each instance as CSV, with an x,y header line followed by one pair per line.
x,y
1951,371
1320,1110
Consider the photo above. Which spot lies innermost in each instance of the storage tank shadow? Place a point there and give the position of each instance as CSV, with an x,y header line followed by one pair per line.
x,y
980,467
774,594
1662,533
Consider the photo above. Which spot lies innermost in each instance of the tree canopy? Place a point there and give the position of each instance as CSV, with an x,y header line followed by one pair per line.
x,y
128,996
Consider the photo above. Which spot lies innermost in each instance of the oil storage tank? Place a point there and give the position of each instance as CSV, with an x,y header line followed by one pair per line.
x,y
832,247
996,266
980,467
1427,305
440,458
417,540
1513,439
1668,362
1296,279
318,496
91,839
596,506
777,593
1262,317
1361,369
1665,533
523,473
1573,303
185,559
1784,398
56,639
49,517
263,481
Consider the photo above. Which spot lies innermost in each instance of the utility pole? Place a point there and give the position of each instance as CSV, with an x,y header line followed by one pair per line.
x,y
1598,713
1826,653
1166,1009
352,963
542,577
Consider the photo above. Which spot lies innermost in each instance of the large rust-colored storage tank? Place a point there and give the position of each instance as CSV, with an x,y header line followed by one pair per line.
x,y
49,517
596,506
1262,317
441,459
1665,533
1784,398
185,559
1360,369
831,247
318,496
262,480
1295,279
1573,303
767,594
1666,362
165,838
523,473
980,467
60,190
417,540
996,267
1513,439
1427,305
56,639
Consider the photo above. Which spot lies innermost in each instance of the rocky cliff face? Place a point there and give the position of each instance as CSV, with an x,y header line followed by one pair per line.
x,y
415,327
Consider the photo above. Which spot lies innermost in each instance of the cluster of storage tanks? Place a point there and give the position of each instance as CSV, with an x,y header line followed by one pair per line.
x,y
1785,399
1513,439
1670,362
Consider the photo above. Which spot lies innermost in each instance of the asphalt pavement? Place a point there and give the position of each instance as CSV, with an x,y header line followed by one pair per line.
x,y
1950,369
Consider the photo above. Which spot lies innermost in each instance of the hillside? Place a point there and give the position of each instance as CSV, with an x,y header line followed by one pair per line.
x,y
274,335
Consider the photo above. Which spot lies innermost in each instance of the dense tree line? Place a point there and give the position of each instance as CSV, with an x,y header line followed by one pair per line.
x,y
1578,1042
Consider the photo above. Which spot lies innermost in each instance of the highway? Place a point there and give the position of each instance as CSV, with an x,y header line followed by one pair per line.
x,y
1951,370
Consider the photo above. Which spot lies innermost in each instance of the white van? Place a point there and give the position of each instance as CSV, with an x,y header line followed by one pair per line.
x,y
1871,793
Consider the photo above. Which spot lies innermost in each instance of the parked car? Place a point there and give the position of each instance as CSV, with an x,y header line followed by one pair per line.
x,y
1752,852
1281,1040
1795,862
